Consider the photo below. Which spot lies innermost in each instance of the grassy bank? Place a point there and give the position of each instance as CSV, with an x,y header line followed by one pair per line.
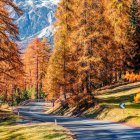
x,y
107,108
32,131
6,116
108,105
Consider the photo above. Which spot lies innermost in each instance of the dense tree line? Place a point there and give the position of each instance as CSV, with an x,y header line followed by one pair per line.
x,y
10,61
21,75
35,62
95,44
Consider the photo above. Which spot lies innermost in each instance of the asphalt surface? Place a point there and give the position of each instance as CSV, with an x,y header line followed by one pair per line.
x,y
83,129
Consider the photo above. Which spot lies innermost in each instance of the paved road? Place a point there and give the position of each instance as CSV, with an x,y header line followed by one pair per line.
x,y
83,129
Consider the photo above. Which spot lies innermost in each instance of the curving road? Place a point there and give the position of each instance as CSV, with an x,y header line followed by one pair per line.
x,y
83,129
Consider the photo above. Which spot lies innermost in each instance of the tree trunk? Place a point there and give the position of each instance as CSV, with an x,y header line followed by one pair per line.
x,y
37,88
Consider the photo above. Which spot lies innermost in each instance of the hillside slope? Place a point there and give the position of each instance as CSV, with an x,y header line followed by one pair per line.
x,y
107,107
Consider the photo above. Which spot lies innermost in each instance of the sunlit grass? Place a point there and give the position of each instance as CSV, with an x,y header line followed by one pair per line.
x,y
7,117
34,132
11,131
109,102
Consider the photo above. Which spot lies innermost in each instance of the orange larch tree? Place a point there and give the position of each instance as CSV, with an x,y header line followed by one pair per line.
x,y
35,62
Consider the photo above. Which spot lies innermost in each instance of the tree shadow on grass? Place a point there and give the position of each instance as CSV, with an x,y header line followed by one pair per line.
x,y
98,112
16,137
60,110
19,134
12,134
118,100
128,118
53,136
122,89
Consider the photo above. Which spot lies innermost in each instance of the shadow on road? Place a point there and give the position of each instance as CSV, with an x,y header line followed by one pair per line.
x,y
83,129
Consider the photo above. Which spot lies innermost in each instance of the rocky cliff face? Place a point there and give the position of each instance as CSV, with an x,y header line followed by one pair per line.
x,y
37,19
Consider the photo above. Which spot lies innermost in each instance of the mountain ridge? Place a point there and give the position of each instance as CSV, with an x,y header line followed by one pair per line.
x,y
37,20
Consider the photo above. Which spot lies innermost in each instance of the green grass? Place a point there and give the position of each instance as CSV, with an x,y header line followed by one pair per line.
x,y
107,108
7,118
11,131
108,105
34,132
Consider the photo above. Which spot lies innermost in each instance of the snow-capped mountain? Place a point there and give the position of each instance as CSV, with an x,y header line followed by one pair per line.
x,y
37,19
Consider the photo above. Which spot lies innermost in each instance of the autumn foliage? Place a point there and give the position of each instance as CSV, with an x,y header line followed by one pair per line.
x,y
132,77
94,46
137,98
11,67
35,61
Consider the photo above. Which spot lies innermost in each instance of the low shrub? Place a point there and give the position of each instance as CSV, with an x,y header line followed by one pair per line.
x,y
132,77
137,98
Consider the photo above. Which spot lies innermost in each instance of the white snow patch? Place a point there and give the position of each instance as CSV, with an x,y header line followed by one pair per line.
x,y
30,2
45,32
50,18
